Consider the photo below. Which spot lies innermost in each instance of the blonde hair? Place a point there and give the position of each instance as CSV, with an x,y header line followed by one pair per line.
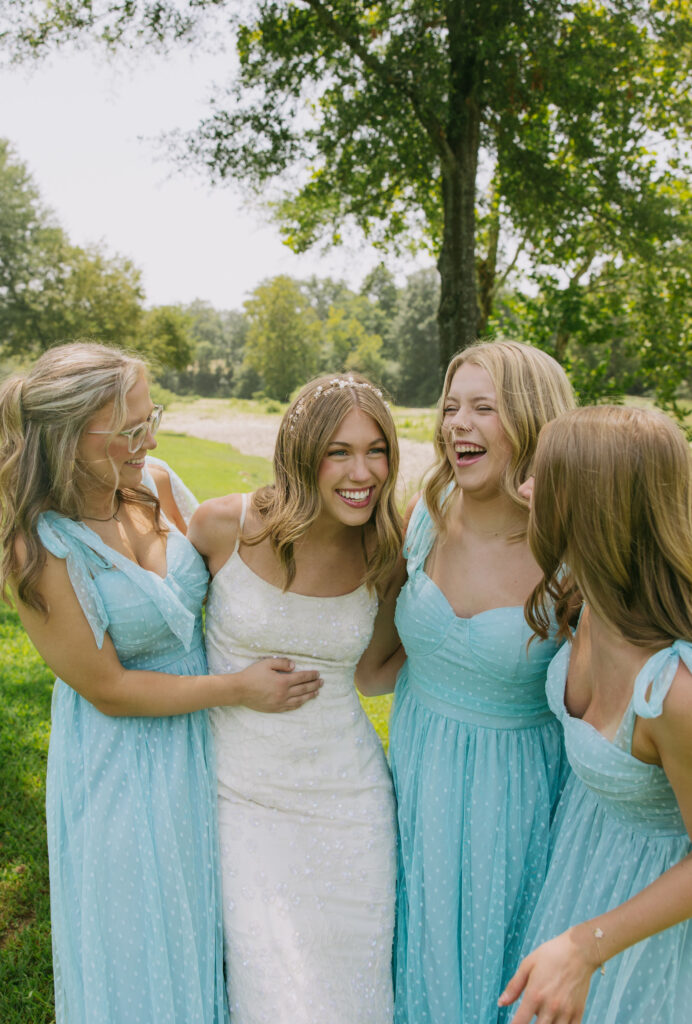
x,y
292,503
531,387
612,501
42,416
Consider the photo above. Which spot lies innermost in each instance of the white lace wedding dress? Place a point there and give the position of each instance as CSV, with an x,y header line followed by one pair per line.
x,y
306,815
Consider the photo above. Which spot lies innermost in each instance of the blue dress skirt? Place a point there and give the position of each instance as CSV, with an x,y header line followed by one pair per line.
x,y
131,806
617,829
478,765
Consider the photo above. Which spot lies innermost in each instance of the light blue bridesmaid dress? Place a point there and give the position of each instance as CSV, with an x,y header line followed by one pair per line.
x,y
478,764
131,806
617,828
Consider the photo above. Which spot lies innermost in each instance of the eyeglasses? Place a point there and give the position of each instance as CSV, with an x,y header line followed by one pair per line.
x,y
136,436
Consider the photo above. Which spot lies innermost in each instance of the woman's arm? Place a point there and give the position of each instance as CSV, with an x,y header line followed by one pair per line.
x,y
214,529
381,660
383,657
66,642
555,977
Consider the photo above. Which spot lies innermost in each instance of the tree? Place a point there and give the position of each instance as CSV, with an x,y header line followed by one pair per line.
x,y
384,113
415,331
165,338
222,330
624,329
50,290
367,358
283,336
380,289
101,297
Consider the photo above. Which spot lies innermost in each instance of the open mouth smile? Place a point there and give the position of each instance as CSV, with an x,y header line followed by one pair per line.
x,y
356,499
467,453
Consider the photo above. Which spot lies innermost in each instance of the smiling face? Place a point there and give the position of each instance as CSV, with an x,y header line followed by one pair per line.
x,y
353,470
107,457
477,447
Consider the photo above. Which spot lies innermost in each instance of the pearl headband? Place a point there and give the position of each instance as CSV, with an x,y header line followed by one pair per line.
x,y
336,383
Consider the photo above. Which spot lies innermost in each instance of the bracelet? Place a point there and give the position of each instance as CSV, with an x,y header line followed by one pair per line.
x,y
598,933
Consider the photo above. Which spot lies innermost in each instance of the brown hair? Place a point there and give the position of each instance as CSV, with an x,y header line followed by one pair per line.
x,y
292,503
612,502
531,387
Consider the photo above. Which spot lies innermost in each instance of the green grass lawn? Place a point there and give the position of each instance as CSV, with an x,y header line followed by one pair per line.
x,y
210,468
26,986
413,424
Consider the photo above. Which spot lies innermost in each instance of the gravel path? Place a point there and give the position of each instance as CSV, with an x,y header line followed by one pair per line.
x,y
255,435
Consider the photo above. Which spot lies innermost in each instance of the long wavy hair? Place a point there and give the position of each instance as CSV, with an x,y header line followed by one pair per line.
x,y
531,387
611,521
290,505
42,415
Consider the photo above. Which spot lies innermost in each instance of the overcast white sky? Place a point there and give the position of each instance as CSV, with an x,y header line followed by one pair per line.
x,y
87,131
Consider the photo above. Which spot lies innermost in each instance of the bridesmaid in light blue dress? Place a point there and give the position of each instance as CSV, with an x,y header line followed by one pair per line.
x,y
112,599
476,754
612,923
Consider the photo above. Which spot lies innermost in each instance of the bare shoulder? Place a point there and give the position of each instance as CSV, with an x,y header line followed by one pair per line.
x,y
677,706
409,509
671,731
215,525
164,490
53,583
161,478
160,474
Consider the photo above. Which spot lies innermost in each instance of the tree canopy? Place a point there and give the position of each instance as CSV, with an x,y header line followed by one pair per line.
x,y
478,129
52,291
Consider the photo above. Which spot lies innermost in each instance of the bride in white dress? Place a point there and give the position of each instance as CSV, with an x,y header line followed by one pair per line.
x,y
306,811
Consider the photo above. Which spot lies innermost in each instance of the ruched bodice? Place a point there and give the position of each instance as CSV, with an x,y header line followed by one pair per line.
x,y
305,812
633,792
502,686
478,764
135,884
618,827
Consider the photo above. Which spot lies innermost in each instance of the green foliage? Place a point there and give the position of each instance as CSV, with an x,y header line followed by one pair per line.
x,y
382,294
346,343
283,336
366,357
415,331
50,290
165,338
575,112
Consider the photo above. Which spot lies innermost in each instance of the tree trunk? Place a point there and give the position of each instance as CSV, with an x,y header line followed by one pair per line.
x,y
457,316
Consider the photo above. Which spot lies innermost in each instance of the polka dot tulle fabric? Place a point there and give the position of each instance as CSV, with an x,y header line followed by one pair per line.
x,y
135,886
478,763
618,828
